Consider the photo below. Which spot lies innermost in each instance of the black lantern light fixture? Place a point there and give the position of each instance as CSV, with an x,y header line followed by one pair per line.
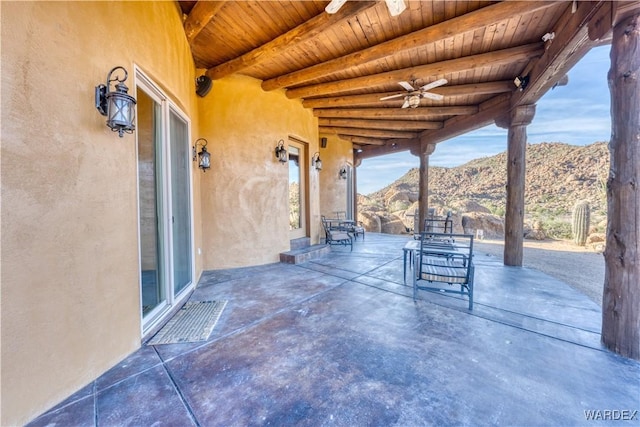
x,y
521,82
204,157
316,162
281,152
118,106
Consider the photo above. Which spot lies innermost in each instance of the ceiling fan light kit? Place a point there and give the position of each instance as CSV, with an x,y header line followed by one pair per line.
x,y
412,98
396,7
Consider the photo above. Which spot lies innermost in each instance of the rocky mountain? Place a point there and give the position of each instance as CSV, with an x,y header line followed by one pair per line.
x,y
557,177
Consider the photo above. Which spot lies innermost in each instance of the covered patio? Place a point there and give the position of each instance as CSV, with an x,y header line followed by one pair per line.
x,y
339,341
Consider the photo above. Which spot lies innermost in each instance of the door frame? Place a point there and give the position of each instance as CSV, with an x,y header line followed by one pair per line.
x,y
350,192
147,323
304,187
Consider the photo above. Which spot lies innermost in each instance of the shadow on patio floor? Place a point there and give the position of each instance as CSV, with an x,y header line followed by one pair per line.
x,y
340,341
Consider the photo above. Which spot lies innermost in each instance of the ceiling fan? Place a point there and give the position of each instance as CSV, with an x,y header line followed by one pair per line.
x,y
412,97
396,7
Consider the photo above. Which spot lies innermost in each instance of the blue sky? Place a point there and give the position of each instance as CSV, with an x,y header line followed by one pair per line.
x,y
578,114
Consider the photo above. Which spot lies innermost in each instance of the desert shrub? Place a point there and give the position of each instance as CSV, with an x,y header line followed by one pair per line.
x,y
399,205
557,229
497,210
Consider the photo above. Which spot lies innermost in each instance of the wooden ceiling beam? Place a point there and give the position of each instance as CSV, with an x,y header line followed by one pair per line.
x,y
422,113
469,22
201,14
361,140
373,133
570,44
458,65
487,113
300,34
380,124
448,91
391,146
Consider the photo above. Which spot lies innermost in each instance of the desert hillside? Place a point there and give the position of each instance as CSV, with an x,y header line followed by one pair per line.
x,y
557,177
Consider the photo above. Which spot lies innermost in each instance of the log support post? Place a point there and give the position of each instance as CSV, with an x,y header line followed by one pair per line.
x,y
516,122
354,176
354,201
426,150
621,296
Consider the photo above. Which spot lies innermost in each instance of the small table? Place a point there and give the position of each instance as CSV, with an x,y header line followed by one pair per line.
x,y
409,248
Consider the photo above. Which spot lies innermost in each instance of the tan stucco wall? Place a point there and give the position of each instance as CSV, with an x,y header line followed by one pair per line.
x,y
245,216
333,197
69,267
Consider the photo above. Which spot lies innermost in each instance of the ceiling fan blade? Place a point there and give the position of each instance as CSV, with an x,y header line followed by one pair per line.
x,y
396,7
406,103
434,96
334,6
407,86
434,84
384,98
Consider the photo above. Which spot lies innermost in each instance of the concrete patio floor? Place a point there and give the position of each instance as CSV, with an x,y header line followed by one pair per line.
x,y
339,341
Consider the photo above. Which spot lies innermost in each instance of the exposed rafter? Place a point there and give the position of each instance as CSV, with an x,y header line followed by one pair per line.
x,y
341,65
462,24
571,42
373,133
300,34
422,113
361,140
203,12
374,98
496,58
380,124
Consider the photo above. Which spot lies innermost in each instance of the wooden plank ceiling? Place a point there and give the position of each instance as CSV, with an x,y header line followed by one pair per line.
x,y
341,64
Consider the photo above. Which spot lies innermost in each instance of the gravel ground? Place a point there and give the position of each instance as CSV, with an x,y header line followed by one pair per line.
x,y
579,267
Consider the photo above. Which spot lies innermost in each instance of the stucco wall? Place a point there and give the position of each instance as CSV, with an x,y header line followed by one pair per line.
x,y
333,197
245,213
70,285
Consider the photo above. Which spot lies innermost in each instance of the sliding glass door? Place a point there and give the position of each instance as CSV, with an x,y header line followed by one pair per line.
x,y
180,202
149,198
297,190
164,202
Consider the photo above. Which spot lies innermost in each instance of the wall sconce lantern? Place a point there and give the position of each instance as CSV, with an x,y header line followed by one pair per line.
x,y
118,106
343,173
316,162
281,152
204,156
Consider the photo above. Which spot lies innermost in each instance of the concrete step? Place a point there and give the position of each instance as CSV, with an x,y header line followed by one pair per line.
x,y
302,242
298,256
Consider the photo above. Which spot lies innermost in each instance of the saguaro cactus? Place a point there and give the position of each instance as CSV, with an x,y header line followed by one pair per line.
x,y
580,222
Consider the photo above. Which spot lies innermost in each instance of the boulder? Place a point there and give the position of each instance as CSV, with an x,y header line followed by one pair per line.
x,y
491,225
370,221
535,235
535,231
392,224
393,196
469,206
597,241
596,238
